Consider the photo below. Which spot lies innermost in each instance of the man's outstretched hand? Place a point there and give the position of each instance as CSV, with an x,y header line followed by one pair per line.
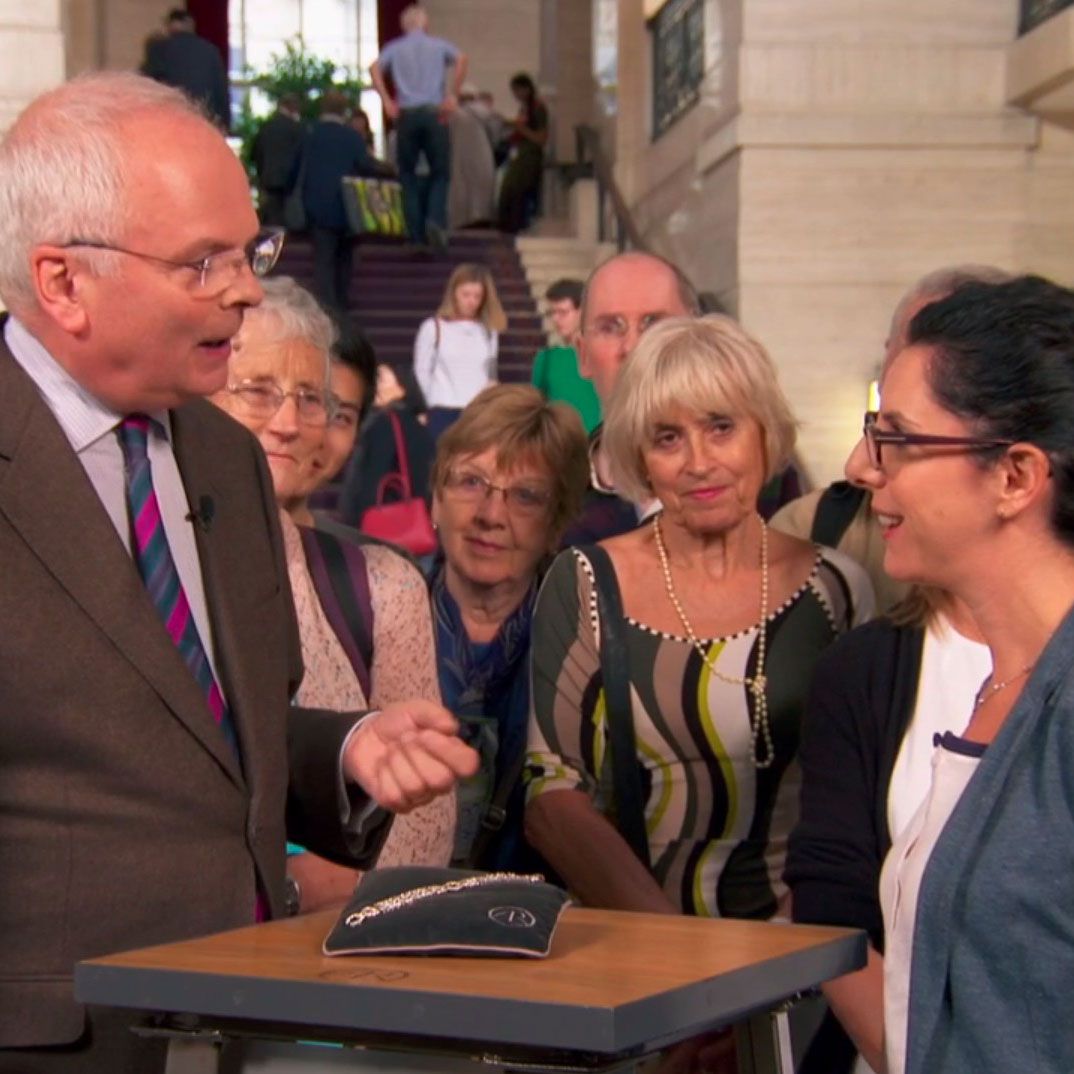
x,y
408,754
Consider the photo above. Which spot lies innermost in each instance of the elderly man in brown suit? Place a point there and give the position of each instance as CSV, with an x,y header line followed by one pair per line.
x,y
148,648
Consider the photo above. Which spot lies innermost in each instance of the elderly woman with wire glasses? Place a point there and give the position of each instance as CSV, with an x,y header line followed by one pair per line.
x,y
363,611
508,476
671,663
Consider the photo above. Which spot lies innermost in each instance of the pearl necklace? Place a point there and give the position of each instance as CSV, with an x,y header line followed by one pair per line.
x,y
758,684
989,690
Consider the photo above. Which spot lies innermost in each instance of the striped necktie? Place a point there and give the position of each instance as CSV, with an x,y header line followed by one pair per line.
x,y
149,544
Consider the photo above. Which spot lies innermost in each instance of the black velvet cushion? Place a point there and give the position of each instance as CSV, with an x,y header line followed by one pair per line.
x,y
422,910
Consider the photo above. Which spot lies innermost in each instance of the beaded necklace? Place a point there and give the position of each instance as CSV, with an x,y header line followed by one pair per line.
x,y
757,685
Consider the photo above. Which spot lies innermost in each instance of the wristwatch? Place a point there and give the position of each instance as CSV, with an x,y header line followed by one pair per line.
x,y
292,895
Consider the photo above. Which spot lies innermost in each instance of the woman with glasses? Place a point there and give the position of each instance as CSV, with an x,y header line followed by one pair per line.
x,y
363,612
970,462
880,697
671,663
455,350
507,477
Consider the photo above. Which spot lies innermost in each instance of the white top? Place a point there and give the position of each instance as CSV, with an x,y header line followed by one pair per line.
x,y
452,372
952,670
900,882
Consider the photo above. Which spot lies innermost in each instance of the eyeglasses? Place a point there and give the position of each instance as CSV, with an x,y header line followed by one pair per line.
x,y
263,398
216,272
875,439
617,327
468,486
343,415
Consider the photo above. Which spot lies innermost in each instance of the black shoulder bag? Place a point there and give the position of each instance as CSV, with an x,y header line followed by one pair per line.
x,y
614,666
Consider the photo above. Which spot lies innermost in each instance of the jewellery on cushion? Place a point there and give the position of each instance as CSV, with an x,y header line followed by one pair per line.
x,y
990,689
408,898
756,685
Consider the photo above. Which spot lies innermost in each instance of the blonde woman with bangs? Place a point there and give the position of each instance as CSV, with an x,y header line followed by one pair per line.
x,y
691,640
455,350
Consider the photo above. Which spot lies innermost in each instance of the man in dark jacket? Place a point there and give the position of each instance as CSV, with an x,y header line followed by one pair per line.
x,y
274,153
192,64
333,149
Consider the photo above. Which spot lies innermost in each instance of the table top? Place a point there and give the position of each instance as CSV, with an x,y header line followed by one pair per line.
x,y
614,982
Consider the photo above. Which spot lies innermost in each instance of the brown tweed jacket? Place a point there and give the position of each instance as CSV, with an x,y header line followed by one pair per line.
x,y
125,818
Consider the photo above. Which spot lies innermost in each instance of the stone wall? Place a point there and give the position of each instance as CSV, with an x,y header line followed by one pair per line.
x,y
838,152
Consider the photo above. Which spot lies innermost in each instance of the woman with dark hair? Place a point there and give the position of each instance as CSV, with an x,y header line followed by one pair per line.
x,y
522,180
879,697
970,462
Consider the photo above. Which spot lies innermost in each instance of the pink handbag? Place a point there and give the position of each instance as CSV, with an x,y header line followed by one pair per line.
x,y
405,521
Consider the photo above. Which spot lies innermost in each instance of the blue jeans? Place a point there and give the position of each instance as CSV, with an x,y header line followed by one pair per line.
x,y
420,131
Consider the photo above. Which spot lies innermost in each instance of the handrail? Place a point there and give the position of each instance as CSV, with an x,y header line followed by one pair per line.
x,y
1034,12
589,151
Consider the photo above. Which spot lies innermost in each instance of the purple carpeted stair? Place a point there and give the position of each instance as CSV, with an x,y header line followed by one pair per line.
x,y
393,290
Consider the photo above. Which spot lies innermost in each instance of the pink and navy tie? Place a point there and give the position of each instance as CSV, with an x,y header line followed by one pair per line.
x,y
149,545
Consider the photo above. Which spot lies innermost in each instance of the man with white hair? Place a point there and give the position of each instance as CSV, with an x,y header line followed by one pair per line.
x,y
148,646
418,64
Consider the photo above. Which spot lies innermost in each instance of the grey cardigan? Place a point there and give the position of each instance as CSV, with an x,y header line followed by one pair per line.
x,y
993,957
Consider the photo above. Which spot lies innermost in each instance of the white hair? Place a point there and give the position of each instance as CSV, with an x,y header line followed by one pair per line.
x,y
63,169
289,311
931,288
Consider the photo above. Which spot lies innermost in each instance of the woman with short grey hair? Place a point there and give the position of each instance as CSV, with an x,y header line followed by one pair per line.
x,y
379,651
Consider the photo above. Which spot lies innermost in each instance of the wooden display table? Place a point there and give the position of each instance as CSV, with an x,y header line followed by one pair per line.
x,y
616,987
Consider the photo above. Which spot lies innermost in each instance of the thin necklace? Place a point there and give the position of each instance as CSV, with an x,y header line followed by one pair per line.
x,y
990,689
756,685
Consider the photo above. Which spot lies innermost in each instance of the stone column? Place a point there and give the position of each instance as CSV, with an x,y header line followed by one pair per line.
x,y
839,152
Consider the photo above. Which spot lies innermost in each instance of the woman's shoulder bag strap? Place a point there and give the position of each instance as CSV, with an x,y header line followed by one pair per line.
x,y
614,665
341,578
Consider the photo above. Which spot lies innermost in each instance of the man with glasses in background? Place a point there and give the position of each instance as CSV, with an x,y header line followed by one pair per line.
x,y
622,298
148,646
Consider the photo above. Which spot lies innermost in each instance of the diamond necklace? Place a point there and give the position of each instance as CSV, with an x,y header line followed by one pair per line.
x,y
756,685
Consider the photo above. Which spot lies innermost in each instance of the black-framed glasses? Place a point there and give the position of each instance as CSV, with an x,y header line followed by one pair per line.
x,y
876,438
263,398
216,272
471,487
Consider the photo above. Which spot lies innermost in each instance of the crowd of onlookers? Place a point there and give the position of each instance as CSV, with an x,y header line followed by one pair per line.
x,y
599,633
667,715
458,161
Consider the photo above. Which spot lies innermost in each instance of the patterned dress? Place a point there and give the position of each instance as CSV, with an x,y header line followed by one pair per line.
x,y
718,826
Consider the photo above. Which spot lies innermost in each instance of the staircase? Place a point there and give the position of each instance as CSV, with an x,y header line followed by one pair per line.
x,y
393,290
